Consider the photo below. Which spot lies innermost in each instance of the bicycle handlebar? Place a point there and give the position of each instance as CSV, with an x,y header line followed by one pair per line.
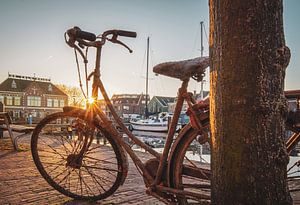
x,y
86,35
89,39
76,32
130,34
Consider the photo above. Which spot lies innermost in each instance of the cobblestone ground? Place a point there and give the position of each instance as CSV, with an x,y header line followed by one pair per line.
x,y
21,183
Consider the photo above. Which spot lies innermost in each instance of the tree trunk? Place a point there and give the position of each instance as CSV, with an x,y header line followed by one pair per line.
x,y
248,61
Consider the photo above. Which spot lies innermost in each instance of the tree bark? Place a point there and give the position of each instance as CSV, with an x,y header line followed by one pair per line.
x,y
248,61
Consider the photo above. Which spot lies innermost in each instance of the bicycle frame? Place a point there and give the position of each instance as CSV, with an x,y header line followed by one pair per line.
x,y
152,182
107,124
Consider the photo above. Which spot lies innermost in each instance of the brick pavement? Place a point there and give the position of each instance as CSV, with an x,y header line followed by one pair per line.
x,y
21,183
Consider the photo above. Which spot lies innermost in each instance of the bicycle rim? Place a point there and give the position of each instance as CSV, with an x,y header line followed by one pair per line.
x,y
189,171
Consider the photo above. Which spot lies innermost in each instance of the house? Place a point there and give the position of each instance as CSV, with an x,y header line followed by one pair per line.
x,y
293,98
197,97
27,97
125,104
160,104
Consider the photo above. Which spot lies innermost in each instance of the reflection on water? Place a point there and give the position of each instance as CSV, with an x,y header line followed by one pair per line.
x,y
157,140
149,134
153,139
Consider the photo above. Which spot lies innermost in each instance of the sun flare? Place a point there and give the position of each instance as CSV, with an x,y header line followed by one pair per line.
x,y
90,100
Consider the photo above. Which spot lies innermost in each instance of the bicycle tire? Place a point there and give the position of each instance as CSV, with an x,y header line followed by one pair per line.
x,y
179,168
293,167
92,185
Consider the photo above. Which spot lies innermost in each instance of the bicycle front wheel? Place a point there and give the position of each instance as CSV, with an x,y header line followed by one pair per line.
x,y
190,169
76,158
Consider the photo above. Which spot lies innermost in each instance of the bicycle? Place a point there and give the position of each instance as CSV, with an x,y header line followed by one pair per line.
x,y
79,168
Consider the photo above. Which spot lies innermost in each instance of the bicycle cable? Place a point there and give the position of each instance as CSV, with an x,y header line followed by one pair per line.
x,y
86,74
79,75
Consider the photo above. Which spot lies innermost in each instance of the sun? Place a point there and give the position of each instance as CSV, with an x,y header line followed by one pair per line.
x,y
90,100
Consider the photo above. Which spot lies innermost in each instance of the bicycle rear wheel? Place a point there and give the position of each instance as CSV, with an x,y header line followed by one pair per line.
x,y
293,167
56,144
189,171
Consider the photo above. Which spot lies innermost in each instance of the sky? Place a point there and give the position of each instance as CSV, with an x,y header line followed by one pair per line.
x,y
32,42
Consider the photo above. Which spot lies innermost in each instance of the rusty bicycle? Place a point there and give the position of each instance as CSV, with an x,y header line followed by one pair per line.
x,y
90,161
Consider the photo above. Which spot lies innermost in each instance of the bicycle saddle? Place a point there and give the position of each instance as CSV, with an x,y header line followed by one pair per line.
x,y
185,69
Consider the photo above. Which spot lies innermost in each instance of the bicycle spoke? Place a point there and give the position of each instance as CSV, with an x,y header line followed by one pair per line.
x,y
63,144
82,179
59,163
102,178
92,175
59,174
102,160
65,177
56,151
106,169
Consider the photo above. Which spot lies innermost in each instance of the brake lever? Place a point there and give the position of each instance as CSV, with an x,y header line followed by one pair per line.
x,y
115,40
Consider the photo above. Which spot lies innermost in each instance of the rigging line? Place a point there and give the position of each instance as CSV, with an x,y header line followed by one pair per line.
x,y
79,75
143,63
152,58
196,39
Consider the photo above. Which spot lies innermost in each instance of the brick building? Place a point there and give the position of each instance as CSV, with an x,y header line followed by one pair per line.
x,y
129,103
25,96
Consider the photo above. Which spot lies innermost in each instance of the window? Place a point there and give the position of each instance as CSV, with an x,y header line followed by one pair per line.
x,y
55,103
125,107
17,101
33,101
49,103
13,84
1,98
9,100
50,87
61,103
16,114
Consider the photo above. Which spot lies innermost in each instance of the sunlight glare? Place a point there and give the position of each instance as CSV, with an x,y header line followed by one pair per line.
x,y
90,100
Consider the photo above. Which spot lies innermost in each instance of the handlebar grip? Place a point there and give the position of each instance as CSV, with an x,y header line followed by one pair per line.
x,y
130,34
85,35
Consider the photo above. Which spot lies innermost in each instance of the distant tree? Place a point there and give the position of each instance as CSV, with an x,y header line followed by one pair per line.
x,y
75,96
248,62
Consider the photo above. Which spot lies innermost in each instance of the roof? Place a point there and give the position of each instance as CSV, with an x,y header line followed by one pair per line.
x,y
292,93
128,96
22,84
164,100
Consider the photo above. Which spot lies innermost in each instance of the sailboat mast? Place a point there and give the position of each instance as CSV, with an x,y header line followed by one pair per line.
x,y
201,49
147,71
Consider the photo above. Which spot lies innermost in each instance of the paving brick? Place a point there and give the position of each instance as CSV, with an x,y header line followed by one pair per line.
x,y
21,183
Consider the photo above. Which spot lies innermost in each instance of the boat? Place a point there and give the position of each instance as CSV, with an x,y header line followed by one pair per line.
x,y
154,123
